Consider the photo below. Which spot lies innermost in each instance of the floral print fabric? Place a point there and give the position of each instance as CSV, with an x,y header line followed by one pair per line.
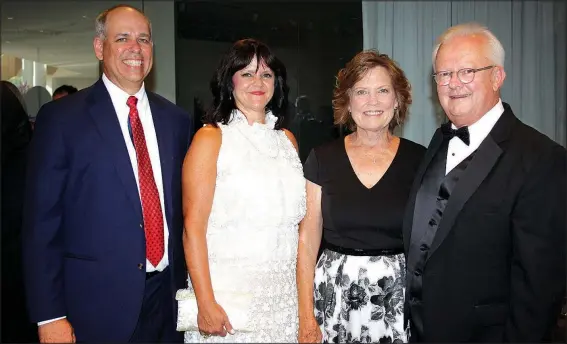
x,y
360,299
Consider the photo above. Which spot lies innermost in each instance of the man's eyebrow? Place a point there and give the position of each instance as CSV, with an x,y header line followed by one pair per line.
x,y
122,34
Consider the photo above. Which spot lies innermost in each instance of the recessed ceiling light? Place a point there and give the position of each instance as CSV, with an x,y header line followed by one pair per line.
x,y
10,18
85,17
8,42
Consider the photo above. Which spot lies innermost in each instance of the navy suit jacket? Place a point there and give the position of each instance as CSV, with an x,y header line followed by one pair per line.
x,y
83,241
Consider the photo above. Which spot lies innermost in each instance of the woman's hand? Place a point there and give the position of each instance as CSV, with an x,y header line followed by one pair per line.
x,y
310,234
198,181
309,331
212,320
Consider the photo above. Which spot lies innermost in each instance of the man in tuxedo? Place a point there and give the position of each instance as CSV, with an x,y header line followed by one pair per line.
x,y
484,230
103,253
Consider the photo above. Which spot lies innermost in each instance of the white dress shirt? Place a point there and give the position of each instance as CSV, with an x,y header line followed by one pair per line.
x,y
478,131
119,99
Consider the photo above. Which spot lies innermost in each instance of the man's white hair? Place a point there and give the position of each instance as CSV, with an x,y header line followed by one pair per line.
x,y
495,50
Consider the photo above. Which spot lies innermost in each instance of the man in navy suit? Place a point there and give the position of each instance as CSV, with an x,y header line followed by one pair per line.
x,y
103,253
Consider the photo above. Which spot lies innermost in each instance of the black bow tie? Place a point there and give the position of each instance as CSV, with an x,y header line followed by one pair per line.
x,y
462,133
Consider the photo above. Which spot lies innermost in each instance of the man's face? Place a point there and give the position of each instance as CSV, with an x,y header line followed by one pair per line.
x,y
127,50
463,103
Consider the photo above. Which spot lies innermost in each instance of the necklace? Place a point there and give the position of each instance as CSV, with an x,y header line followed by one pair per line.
x,y
366,152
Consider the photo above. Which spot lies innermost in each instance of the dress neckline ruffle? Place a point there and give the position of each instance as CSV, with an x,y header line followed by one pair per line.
x,y
238,118
261,136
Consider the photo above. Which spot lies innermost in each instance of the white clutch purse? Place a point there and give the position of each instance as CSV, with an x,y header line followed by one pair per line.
x,y
236,305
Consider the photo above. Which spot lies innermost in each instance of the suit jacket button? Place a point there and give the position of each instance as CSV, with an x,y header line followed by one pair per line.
x,y
423,247
417,272
140,266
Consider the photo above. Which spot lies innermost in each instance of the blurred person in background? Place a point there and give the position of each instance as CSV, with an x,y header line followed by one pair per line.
x,y
16,135
63,90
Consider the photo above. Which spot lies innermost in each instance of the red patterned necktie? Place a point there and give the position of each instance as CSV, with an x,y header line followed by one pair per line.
x,y
151,206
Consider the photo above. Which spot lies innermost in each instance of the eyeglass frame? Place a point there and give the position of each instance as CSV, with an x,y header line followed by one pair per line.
x,y
474,71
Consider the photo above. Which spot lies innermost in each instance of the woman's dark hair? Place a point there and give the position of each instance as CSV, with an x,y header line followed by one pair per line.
x,y
238,57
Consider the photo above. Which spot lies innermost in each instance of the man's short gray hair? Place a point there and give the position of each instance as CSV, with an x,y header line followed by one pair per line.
x,y
100,21
495,49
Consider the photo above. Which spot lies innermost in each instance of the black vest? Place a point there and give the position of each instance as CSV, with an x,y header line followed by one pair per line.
x,y
431,200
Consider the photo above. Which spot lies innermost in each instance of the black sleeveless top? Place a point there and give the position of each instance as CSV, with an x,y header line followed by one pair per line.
x,y
355,216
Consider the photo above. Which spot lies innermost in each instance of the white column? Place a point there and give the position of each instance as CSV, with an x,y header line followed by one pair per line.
x,y
27,72
39,74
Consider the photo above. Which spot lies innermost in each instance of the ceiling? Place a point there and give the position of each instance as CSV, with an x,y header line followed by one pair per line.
x,y
57,33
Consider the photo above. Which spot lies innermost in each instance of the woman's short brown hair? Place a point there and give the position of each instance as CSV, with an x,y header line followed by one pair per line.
x,y
354,71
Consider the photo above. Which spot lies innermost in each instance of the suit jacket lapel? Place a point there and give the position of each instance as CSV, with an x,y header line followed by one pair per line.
x,y
103,114
164,134
436,142
482,163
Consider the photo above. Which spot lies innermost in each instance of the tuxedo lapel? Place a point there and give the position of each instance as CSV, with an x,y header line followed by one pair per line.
x,y
165,134
482,163
103,114
434,146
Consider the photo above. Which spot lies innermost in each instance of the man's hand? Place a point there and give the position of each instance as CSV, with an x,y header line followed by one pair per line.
x,y
58,331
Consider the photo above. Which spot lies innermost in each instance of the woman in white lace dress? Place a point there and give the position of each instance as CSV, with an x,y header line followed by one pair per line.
x,y
244,195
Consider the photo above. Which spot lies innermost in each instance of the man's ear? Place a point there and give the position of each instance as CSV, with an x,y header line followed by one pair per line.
x,y
98,47
498,76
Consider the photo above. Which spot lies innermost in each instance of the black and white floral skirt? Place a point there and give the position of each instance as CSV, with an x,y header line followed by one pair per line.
x,y
360,298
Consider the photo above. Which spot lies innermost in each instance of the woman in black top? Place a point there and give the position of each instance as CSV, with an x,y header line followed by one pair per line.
x,y
357,189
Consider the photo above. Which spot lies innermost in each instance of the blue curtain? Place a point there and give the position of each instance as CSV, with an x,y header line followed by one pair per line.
x,y
533,36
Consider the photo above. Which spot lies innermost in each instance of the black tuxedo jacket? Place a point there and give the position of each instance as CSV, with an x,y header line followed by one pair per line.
x,y
496,269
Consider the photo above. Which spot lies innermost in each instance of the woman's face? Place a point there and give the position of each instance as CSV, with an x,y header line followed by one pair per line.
x,y
253,86
372,100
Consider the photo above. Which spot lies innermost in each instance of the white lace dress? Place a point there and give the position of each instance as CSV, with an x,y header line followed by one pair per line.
x,y
252,231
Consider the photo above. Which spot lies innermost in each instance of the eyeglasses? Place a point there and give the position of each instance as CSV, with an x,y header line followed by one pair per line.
x,y
466,75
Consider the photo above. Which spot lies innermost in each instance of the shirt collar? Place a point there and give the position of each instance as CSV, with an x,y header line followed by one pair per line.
x,y
119,96
479,130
